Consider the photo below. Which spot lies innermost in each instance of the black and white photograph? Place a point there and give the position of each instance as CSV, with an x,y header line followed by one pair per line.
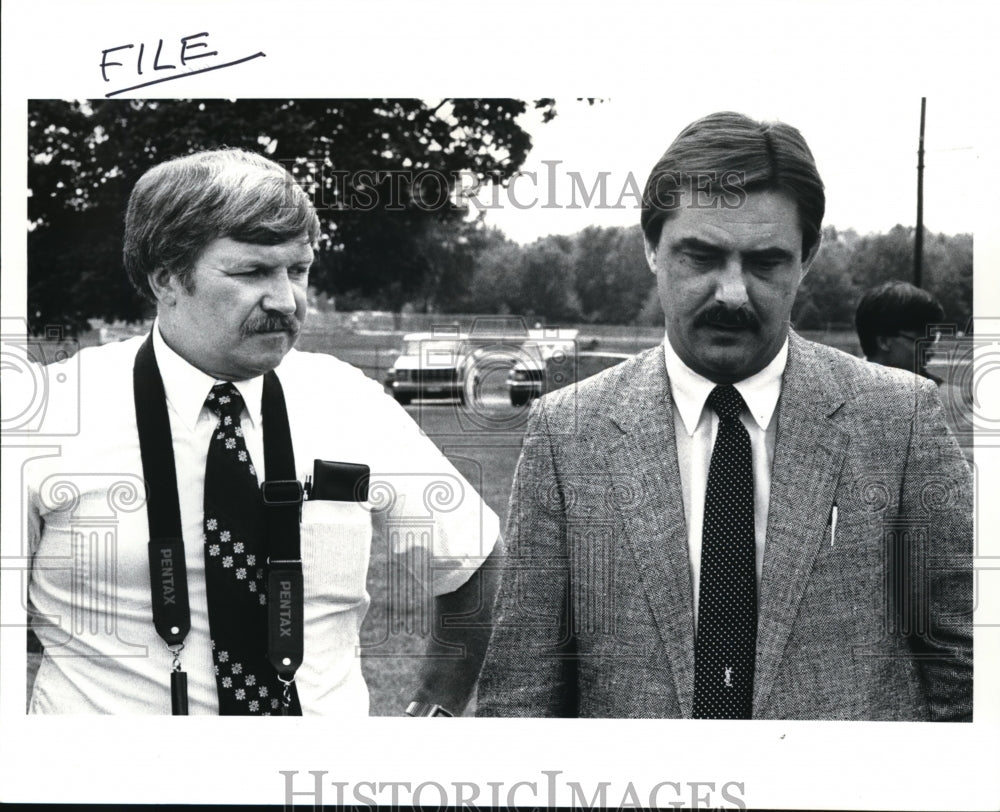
x,y
632,414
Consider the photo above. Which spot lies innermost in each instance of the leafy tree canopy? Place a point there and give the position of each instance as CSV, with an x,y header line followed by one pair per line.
x,y
406,155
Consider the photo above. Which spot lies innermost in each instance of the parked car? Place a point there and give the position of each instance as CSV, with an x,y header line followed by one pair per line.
x,y
429,366
527,377
553,369
461,365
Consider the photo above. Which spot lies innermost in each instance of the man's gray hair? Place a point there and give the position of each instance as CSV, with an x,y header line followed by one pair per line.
x,y
178,207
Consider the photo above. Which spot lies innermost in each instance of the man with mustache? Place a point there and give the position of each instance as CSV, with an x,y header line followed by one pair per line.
x,y
740,523
185,573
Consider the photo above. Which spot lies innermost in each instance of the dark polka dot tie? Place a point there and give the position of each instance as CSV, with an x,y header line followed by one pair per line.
x,y
234,567
727,604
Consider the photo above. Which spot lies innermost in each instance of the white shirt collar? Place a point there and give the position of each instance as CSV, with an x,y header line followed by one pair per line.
x,y
690,390
187,386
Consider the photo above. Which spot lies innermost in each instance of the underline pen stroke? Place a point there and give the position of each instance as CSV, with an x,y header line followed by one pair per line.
x,y
183,75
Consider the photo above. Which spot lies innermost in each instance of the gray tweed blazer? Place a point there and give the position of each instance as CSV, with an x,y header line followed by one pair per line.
x,y
594,616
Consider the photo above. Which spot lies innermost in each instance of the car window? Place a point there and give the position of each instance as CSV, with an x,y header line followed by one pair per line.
x,y
428,346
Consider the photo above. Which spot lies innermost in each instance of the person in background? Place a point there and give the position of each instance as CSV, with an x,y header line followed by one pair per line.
x,y
891,318
897,326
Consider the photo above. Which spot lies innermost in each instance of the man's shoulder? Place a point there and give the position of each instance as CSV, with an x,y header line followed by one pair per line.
x,y
106,365
321,378
856,377
87,400
319,367
612,392
112,354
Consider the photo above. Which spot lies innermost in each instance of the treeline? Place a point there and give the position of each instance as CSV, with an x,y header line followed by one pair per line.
x,y
848,264
600,276
367,163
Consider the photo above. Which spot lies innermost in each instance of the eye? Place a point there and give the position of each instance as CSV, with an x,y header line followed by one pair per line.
x,y
701,259
765,264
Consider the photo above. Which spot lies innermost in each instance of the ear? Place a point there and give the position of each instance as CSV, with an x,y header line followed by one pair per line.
x,y
884,344
650,253
807,262
165,287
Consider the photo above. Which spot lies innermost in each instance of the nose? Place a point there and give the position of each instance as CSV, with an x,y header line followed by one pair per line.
x,y
730,287
280,293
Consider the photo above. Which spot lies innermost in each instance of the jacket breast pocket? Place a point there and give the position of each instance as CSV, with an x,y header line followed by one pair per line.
x,y
846,590
336,544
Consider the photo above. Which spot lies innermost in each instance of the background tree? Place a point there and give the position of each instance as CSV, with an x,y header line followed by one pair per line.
x,y
848,265
547,290
612,277
496,277
947,261
84,158
948,274
877,258
828,295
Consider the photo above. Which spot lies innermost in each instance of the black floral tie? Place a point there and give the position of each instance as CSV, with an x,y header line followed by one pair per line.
x,y
234,567
727,605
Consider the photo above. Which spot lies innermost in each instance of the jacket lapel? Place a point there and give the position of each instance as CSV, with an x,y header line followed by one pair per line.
x,y
808,457
646,457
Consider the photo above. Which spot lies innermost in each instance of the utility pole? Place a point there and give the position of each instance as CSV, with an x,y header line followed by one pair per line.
x,y
918,245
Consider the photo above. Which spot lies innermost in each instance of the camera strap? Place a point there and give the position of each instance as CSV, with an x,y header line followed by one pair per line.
x,y
282,496
167,569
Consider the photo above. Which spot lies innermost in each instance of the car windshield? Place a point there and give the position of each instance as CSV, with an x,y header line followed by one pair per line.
x,y
427,346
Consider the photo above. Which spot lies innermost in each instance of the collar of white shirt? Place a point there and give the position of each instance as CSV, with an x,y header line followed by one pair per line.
x,y
690,390
187,386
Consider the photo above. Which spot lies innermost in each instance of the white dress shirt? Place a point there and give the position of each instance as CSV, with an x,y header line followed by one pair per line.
x,y
695,427
88,532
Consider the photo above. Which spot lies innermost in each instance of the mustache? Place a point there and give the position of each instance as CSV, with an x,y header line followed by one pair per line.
x,y
720,315
271,322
